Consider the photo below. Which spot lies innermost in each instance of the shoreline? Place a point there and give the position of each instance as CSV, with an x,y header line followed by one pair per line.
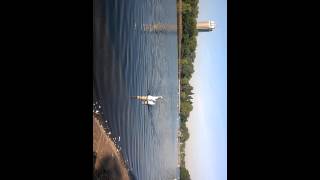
x,y
179,33
108,161
179,39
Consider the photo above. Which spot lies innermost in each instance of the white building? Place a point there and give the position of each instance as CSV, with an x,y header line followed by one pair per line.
x,y
206,26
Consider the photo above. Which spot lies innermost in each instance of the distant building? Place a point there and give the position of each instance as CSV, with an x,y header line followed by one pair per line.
x,y
206,26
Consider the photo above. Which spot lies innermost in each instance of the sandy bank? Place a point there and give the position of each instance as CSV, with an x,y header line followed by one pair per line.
x,y
108,162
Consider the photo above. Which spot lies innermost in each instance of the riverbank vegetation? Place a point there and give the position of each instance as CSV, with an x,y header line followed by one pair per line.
x,y
188,46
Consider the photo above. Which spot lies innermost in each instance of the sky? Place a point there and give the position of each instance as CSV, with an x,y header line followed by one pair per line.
x,y
206,148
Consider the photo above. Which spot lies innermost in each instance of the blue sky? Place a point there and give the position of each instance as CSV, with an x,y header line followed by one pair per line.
x,y
206,149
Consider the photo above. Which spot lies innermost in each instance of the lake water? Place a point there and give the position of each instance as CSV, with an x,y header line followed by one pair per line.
x,y
129,61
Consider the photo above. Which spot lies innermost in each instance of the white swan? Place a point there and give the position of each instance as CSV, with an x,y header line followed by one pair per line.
x,y
154,98
152,103
148,100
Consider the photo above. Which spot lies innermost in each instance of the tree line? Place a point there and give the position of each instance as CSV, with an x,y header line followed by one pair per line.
x,y
190,11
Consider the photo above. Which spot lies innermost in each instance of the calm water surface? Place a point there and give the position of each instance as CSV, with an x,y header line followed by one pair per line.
x,y
127,62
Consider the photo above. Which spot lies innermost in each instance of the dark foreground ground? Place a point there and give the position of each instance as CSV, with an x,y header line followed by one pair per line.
x,y
107,160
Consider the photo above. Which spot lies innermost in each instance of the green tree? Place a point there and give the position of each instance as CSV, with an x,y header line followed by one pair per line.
x,y
184,132
186,7
190,10
184,174
183,96
186,107
184,81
